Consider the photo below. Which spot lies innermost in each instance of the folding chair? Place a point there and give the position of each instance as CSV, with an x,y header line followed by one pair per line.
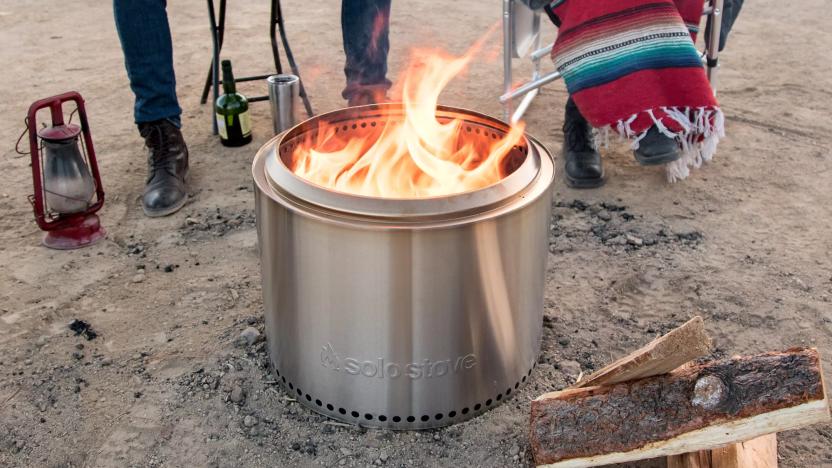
x,y
521,39
217,36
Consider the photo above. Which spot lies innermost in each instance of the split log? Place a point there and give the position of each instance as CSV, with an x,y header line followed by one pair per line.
x,y
755,453
660,356
696,407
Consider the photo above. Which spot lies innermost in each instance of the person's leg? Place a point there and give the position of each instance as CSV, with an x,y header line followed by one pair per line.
x,y
730,11
148,56
144,32
365,26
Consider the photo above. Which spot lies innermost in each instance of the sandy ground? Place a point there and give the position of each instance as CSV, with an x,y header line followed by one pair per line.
x,y
745,243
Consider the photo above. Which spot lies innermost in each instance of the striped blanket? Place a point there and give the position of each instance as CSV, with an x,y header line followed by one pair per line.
x,y
632,64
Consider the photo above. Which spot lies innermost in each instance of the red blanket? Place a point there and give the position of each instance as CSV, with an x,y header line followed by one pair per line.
x,y
632,64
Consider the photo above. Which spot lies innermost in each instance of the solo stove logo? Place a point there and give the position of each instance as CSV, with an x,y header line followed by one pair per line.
x,y
380,368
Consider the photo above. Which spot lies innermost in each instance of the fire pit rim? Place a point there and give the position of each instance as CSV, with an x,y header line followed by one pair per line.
x,y
285,182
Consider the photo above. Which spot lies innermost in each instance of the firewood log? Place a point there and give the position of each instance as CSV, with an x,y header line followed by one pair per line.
x,y
755,453
697,407
660,356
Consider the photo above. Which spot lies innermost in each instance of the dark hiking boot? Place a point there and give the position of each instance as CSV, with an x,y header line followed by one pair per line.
x,y
167,167
656,148
583,162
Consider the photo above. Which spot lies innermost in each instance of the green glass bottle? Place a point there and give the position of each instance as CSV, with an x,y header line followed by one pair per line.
x,y
233,119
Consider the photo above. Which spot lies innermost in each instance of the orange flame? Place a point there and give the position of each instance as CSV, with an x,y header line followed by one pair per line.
x,y
416,156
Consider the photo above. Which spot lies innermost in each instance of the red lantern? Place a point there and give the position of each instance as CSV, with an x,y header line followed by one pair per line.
x,y
68,188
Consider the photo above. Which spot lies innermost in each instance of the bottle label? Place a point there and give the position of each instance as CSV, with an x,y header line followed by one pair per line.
x,y
245,123
223,131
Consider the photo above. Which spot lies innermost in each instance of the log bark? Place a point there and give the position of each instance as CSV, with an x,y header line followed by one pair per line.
x,y
660,356
700,406
755,453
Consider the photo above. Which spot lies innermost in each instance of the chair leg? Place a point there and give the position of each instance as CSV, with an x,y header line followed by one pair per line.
x,y
277,20
507,107
215,60
712,56
220,31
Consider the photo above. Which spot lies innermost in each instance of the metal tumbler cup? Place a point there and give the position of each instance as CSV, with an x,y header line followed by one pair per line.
x,y
283,95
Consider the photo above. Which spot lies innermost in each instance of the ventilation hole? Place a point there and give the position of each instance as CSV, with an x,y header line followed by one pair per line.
x,y
516,385
368,416
283,379
308,397
530,372
425,418
508,391
410,419
277,372
452,414
336,129
477,407
396,419
342,411
319,403
363,124
344,128
291,387
299,391
372,124
354,126
382,418
465,410
354,414
488,402
329,406
493,135
477,131
499,396
523,379
468,129
439,416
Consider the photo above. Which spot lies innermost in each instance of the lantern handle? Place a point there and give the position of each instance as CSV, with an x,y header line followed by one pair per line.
x,y
20,138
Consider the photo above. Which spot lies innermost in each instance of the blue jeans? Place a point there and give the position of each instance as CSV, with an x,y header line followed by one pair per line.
x,y
144,33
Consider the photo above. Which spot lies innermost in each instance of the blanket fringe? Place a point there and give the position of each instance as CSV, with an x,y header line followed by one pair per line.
x,y
701,130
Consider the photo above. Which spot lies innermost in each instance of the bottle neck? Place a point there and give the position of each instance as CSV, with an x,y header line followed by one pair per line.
x,y
228,85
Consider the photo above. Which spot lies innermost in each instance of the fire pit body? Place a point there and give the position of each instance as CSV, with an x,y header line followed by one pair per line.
x,y
403,313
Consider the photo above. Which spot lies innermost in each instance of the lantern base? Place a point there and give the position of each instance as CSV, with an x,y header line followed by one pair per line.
x,y
86,231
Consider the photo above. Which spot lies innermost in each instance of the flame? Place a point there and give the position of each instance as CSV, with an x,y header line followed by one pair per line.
x,y
414,156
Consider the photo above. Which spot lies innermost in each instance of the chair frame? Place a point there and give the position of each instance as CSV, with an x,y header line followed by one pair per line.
x,y
218,34
529,90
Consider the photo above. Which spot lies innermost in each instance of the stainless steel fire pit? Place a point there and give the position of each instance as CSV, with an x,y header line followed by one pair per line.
x,y
409,313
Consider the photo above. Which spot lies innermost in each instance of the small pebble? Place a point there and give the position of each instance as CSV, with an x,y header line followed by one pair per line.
x,y
570,368
138,278
78,355
633,240
237,394
249,421
250,335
